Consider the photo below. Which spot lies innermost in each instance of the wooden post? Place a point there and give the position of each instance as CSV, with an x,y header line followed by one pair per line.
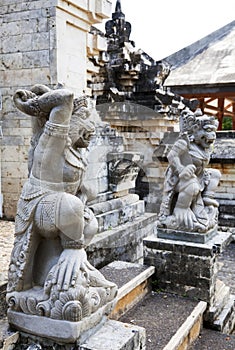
x,y
233,116
220,113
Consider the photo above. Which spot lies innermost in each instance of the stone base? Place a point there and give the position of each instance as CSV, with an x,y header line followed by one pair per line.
x,y
178,235
186,268
112,334
60,330
116,336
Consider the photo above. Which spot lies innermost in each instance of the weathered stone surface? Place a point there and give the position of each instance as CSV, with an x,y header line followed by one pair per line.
x,y
183,267
117,336
124,242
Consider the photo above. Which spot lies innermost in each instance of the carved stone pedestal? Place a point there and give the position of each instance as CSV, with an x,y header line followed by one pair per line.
x,y
60,330
183,267
191,269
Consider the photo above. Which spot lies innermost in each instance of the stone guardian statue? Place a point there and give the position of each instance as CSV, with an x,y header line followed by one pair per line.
x,y
53,291
188,198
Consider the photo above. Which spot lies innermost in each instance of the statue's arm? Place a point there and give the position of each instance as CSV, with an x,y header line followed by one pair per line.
x,y
49,153
57,107
174,156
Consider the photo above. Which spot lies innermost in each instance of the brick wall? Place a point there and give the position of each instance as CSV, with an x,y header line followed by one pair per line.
x,y
40,42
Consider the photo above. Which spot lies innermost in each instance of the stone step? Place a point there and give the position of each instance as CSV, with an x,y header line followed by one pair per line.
x,y
8,338
116,217
133,281
189,331
222,240
226,319
116,335
222,295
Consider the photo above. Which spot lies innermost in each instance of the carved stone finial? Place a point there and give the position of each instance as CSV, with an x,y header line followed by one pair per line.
x,y
118,7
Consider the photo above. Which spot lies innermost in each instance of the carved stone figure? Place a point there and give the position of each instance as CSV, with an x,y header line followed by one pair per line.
x,y
49,275
188,200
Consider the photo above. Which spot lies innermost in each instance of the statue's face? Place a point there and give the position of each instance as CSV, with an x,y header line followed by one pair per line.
x,y
205,136
82,129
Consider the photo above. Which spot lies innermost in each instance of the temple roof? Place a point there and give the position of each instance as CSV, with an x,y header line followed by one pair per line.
x,y
209,60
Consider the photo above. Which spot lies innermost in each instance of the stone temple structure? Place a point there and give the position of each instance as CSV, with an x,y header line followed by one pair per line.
x,y
154,155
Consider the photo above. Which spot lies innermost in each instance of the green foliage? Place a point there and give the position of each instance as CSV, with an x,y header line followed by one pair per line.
x,y
227,123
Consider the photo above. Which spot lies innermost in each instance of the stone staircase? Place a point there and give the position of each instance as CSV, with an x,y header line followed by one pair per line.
x,y
221,315
134,282
135,286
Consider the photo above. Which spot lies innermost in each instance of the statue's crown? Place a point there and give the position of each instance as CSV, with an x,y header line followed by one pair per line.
x,y
190,120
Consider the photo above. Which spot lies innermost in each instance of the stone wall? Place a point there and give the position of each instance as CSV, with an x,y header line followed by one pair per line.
x,y
40,42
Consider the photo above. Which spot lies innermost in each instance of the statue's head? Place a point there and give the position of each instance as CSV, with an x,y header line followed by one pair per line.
x,y
200,128
81,126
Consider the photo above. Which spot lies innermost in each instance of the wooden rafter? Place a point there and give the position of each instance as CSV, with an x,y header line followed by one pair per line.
x,y
217,104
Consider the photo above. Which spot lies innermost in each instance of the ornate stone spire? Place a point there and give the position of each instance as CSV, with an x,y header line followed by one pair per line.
x,y
118,28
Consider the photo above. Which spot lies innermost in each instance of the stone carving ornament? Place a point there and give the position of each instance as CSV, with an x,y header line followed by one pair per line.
x,y
188,200
49,275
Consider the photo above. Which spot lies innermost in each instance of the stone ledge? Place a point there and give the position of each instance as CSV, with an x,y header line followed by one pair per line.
x,y
213,246
134,282
199,249
124,242
60,330
116,336
185,236
189,330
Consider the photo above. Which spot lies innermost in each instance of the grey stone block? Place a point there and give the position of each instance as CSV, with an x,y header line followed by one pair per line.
x,y
178,235
116,336
124,242
179,246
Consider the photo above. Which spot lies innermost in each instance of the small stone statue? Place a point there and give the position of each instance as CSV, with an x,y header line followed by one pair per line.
x,y
49,274
188,199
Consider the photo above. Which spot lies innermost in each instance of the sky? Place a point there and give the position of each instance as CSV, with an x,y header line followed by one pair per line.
x,y
161,28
